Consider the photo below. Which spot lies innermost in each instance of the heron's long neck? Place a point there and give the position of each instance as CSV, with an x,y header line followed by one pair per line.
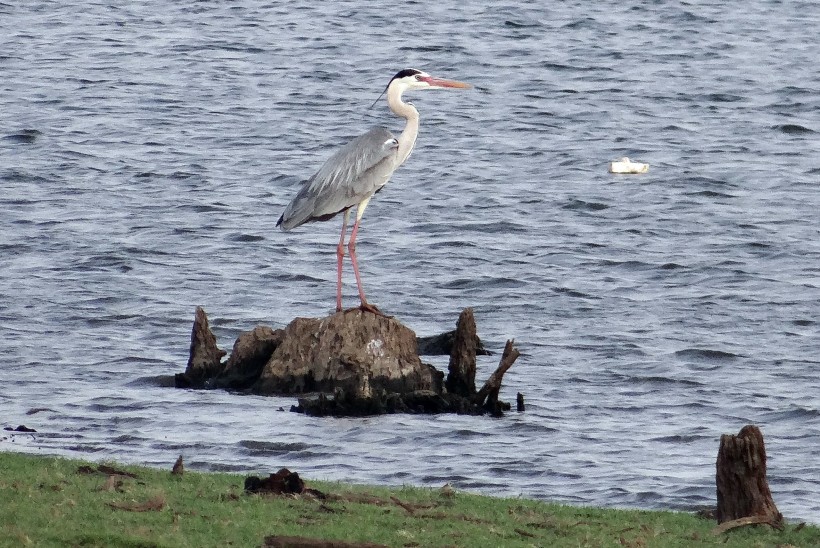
x,y
411,130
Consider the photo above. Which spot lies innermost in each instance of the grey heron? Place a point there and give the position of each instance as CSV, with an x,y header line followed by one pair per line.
x,y
360,169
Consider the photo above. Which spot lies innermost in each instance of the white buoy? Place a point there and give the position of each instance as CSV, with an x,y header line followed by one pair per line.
x,y
625,165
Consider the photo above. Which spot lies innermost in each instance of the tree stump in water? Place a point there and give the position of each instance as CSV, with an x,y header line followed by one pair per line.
x,y
461,376
360,363
742,489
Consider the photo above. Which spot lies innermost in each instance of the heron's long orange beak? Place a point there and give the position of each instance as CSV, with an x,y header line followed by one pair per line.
x,y
442,83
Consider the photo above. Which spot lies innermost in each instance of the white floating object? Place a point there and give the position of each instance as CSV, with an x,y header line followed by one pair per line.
x,y
625,165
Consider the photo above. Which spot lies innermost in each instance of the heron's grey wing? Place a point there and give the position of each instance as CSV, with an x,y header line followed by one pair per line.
x,y
353,173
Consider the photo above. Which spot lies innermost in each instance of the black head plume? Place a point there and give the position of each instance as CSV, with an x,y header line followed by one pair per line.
x,y
404,73
400,74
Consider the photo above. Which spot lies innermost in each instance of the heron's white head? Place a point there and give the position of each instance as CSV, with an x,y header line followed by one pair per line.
x,y
410,79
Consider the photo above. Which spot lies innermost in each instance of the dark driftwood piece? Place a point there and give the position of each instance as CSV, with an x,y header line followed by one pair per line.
x,y
488,395
742,488
461,376
743,522
282,482
279,541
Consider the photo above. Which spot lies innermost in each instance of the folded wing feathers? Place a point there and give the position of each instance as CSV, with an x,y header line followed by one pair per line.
x,y
354,172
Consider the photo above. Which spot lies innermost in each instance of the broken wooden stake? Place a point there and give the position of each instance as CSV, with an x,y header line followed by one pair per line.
x,y
205,357
489,391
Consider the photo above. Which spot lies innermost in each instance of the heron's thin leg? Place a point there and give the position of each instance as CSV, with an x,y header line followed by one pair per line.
x,y
340,253
351,247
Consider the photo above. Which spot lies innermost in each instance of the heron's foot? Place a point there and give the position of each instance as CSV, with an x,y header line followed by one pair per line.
x,y
367,307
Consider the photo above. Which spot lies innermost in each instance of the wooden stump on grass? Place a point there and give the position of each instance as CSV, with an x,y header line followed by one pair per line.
x,y
742,489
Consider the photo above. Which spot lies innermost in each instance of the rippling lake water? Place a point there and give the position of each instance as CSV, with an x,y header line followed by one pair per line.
x,y
148,148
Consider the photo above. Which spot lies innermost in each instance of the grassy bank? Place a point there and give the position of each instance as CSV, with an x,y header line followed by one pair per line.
x,y
48,501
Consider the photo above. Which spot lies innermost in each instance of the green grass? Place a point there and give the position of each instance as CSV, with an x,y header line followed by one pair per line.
x,y
47,501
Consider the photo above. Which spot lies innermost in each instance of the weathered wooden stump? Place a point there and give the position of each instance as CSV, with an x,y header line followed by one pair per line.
x,y
742,488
